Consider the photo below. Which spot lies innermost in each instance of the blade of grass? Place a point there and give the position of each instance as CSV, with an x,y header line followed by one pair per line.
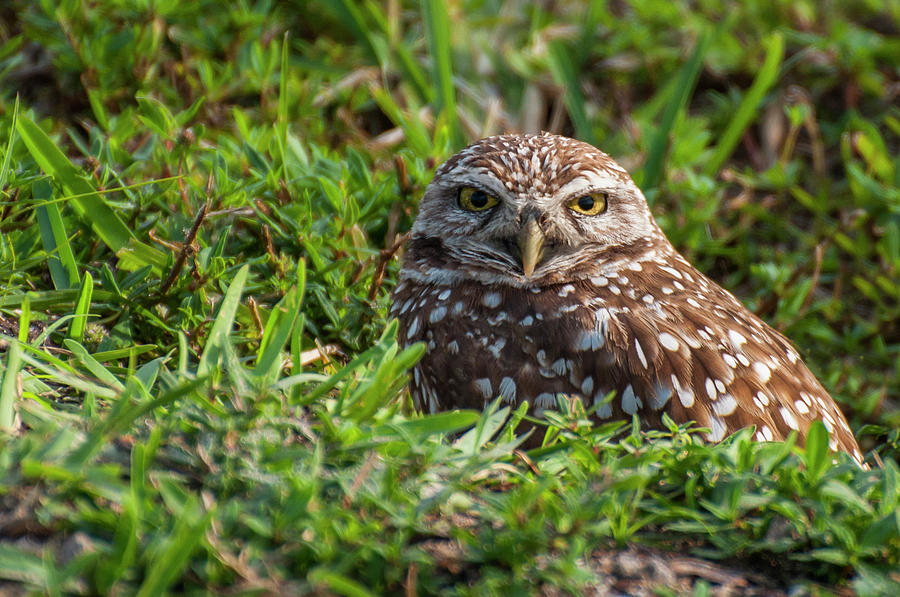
x,y
218,335
816,450
61,260
437,32
82,309
767,76
416,430
686,79
339,583
87,202
349,14
277,333
17,564
9,388
25,319
416,134
167,566
411,70
9,144
281,127
92,365
563,69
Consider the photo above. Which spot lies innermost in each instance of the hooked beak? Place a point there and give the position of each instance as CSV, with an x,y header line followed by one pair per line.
x,y
531,245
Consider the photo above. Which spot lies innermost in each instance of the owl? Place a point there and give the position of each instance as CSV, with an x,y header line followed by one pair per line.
x,y
535,270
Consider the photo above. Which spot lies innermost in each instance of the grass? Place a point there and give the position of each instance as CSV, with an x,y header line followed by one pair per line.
x,y
201,212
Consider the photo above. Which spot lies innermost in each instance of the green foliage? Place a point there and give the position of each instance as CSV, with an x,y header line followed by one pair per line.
x,y
201,209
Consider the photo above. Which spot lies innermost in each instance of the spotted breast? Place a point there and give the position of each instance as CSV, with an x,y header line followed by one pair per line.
x,y
535,269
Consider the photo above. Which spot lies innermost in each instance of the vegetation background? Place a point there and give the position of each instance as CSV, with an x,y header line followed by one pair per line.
x,y
201,205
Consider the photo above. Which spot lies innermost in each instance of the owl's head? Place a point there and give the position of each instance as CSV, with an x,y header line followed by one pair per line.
x,y
528,210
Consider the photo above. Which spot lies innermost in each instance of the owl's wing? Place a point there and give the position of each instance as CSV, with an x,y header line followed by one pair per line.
x,y
700,355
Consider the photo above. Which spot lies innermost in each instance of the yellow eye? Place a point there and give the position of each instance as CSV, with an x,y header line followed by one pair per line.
x,y
472,199
588,205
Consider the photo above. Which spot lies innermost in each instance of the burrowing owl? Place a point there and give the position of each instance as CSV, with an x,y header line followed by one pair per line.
x,y
536,269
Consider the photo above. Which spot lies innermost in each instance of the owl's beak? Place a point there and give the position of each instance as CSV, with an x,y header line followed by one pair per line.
x,y
531,245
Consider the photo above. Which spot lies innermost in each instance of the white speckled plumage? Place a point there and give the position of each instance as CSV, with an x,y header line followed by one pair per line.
x,y
610,306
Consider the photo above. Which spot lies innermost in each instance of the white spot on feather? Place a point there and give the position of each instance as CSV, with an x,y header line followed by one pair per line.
x,y
717,429
587,386
544,401
630,402
660,397
508,389
685,394
559,366
671,271
437,314
491,300
669,341
604,408
412,328
484,386
725,405
566,290
762,371
640,353
736,338
789,418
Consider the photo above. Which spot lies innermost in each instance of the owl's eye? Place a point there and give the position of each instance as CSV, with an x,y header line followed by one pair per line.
x,y
588,205
472,199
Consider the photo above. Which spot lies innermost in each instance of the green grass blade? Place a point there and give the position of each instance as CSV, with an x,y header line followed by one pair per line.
x,y
92,365
7,155
218,335
349,14
281,127
438,424
416,134
437,32
86,201
18,564
410,69
82,309
339,583
165,568
9,388
563,69
61,261
277,333
41,300
25,319
649,177
816,451
124,353
767,76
